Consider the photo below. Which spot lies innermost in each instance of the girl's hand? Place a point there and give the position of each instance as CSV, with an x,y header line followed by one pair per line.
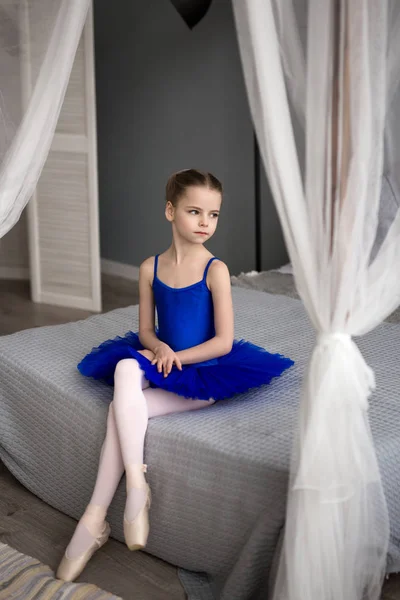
x,y
164,358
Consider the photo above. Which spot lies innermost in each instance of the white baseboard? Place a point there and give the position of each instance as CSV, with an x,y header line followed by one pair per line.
x,y
111,267
14,272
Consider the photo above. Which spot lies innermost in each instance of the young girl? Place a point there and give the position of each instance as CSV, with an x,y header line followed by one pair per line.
x,y
190,361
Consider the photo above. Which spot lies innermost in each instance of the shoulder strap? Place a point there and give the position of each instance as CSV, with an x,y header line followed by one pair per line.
x,y
156,264
208,266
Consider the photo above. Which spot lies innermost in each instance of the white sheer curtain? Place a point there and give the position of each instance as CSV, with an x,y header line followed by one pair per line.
x,y
38,43
321,77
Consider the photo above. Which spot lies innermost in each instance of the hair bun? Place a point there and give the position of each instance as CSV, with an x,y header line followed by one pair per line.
x,y
178,183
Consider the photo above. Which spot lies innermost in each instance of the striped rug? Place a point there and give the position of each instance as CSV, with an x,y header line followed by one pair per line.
x,y
25,578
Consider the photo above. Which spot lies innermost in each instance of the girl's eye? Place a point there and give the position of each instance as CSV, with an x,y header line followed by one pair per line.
x,y
215,215
194,212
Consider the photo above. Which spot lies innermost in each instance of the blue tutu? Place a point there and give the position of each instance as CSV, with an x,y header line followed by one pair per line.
x,y
246,366
185,320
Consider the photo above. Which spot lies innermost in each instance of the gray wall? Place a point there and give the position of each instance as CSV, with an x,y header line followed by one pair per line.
x,y
273,249
169,98
14,245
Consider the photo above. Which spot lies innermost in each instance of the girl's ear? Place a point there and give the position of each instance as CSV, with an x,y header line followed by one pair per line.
x,y
169,211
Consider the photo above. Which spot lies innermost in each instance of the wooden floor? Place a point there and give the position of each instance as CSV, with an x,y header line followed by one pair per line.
x,y
34,528
17,312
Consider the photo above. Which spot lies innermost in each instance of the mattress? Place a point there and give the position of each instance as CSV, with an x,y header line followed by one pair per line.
x,y
218,476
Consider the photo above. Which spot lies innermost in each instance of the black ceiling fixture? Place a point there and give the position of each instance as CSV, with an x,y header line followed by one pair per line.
x,y
192,11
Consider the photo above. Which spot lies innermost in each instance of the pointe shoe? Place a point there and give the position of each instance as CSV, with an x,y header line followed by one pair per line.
x,y
136,532
70,568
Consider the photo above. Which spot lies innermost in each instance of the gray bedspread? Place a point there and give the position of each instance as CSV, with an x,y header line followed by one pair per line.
x,y
219,475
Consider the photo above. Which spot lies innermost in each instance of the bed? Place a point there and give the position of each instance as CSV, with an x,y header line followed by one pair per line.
x,y
218,476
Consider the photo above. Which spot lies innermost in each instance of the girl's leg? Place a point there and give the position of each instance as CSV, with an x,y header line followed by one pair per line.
x,y
123,448
133,407
111,469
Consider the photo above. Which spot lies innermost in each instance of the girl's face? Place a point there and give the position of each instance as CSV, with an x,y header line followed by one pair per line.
x,y
195,216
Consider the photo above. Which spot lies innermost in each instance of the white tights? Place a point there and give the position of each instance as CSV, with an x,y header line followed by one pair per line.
x,y
133,404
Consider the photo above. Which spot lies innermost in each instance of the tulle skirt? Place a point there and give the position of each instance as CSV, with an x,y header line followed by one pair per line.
x,y
246,366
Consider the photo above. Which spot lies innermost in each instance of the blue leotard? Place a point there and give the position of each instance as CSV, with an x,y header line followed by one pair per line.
x,y
185,315
186,319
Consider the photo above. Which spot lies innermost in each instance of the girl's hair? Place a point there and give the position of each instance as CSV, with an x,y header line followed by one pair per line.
x,y
178,183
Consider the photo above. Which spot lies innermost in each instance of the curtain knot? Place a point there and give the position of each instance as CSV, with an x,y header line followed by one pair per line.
x,y
328,337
